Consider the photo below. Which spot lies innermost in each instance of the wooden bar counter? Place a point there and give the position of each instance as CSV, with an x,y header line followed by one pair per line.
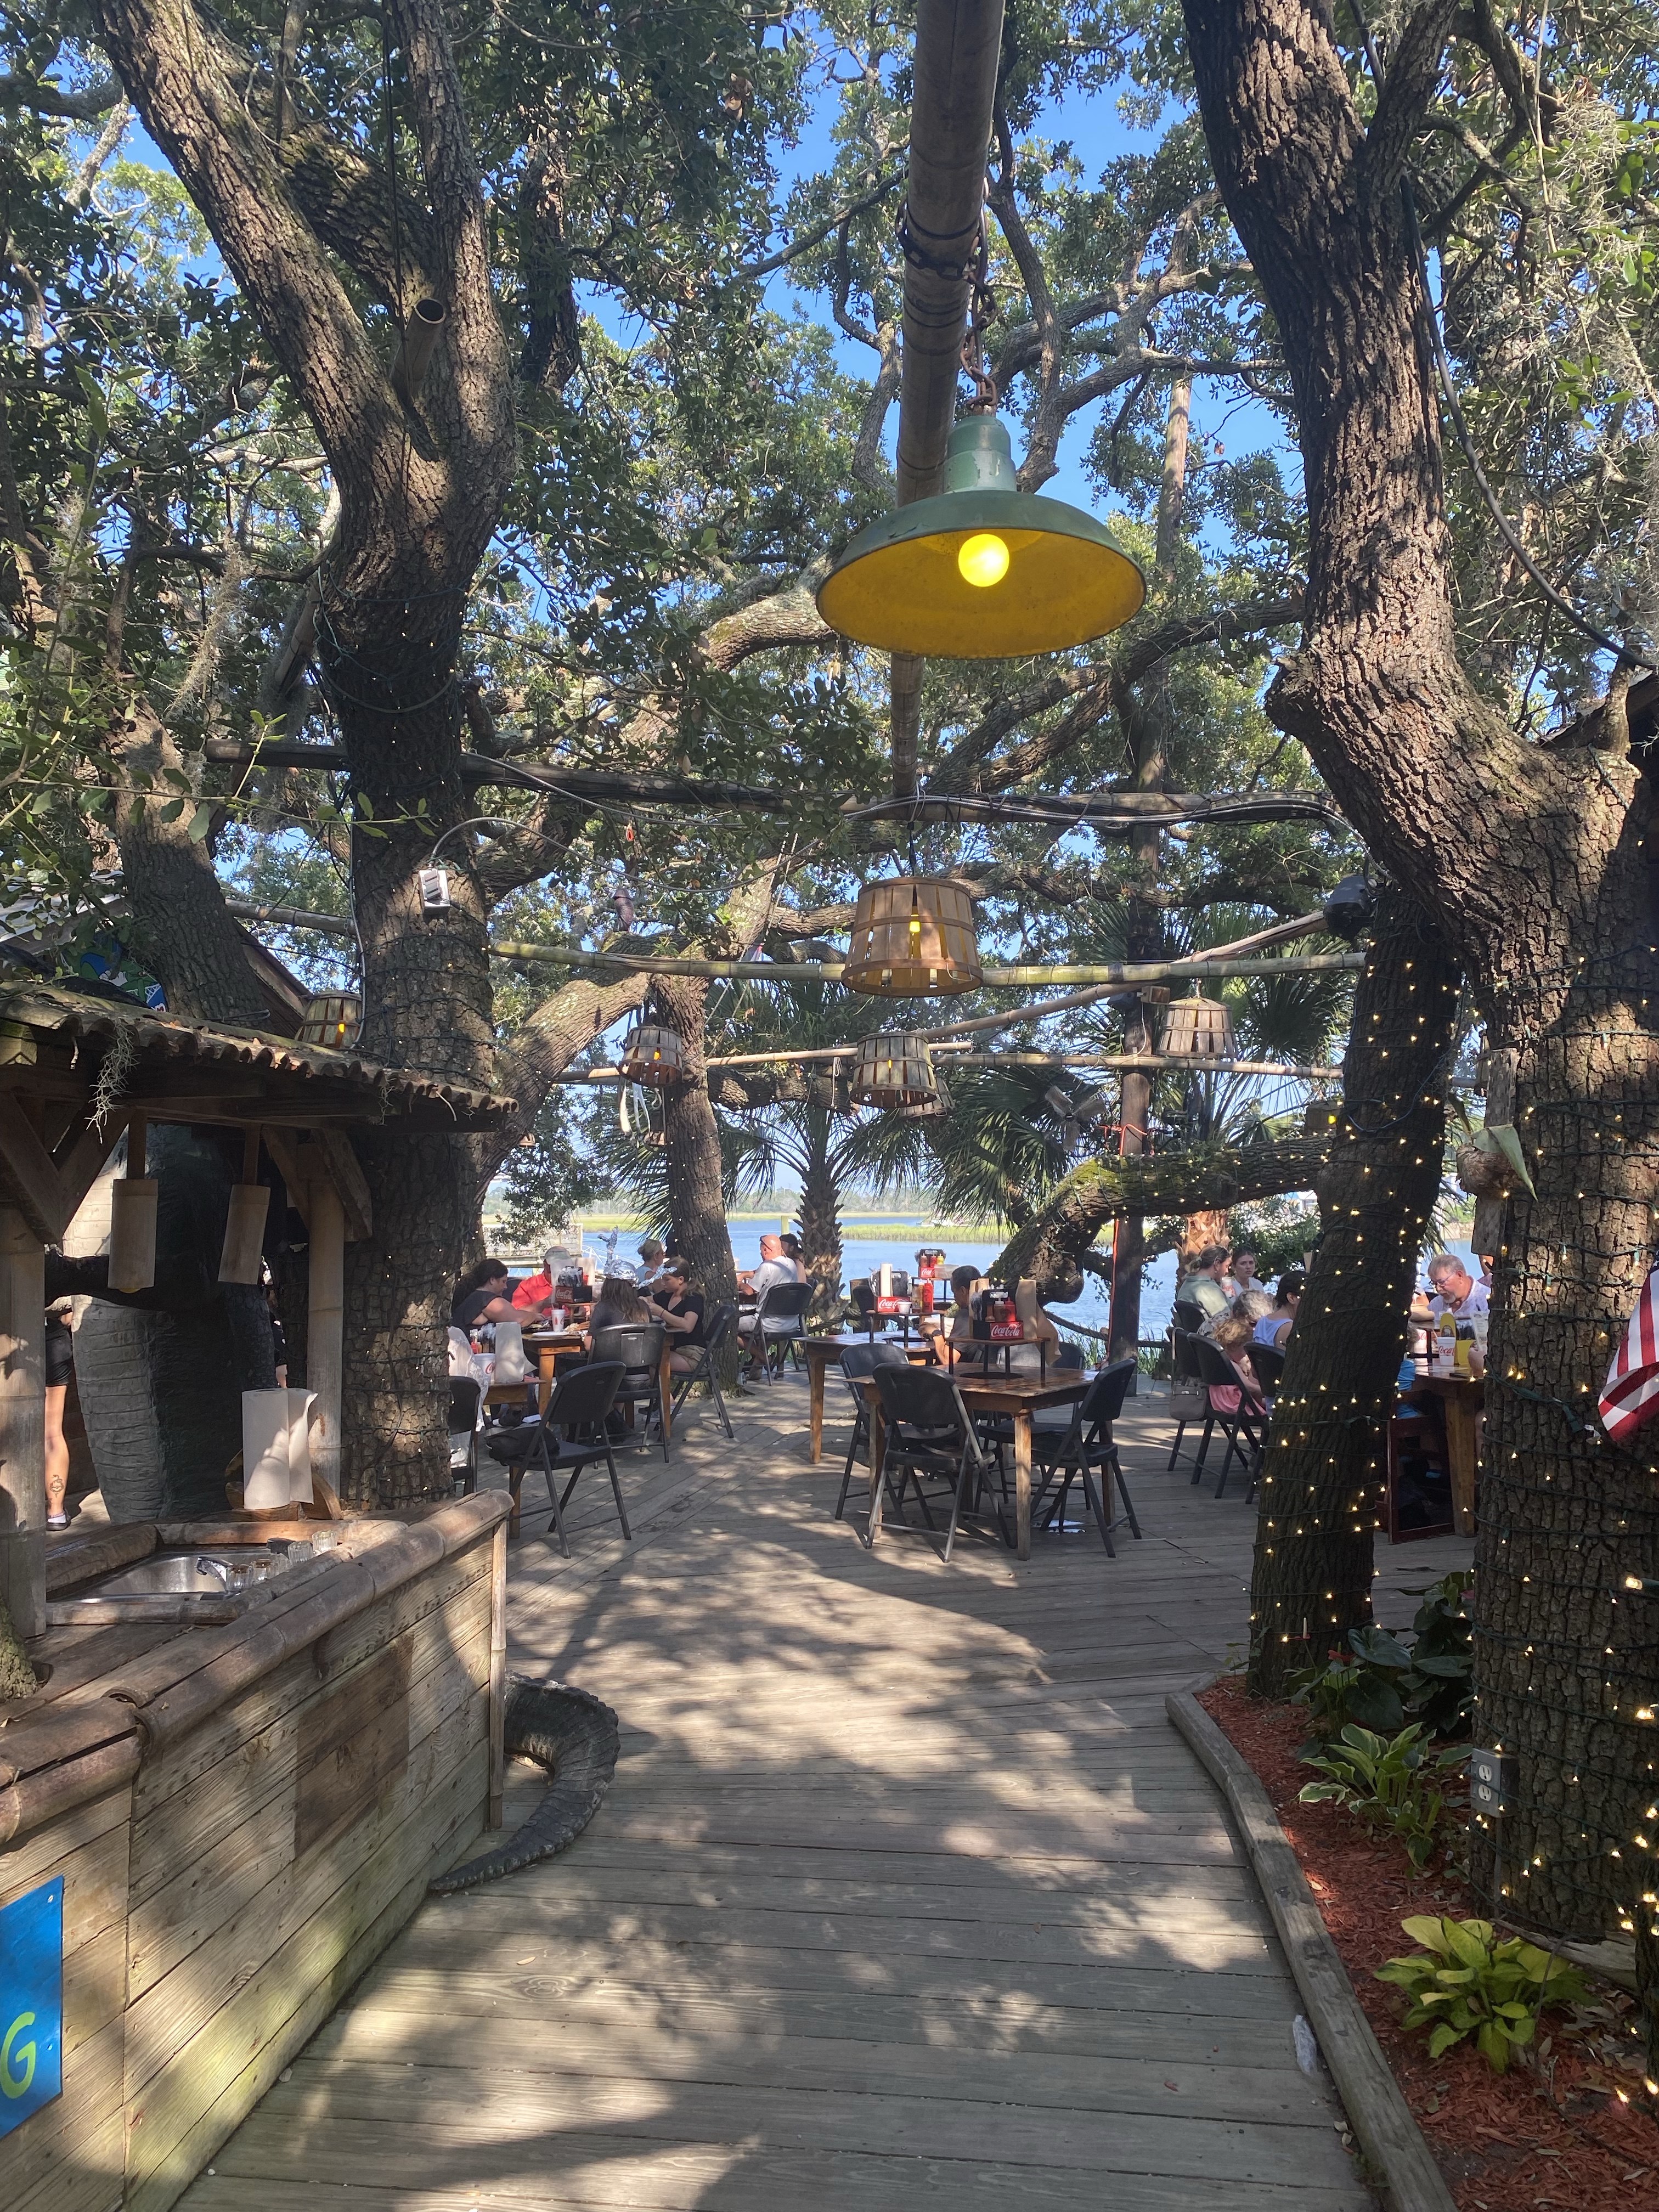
x,y
241,1817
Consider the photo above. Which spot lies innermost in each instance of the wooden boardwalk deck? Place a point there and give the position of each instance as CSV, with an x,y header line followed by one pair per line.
x,y
905,1892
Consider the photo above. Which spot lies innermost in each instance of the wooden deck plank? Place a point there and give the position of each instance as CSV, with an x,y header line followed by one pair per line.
x,y
904,1888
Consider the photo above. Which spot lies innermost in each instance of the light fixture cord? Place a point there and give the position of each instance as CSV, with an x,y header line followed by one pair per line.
x,y
981,306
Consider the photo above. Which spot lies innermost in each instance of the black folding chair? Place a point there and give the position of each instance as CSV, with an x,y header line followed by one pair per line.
x,y
465,1392
576,1414
1085,1452
1189,1316
717,1329
1246,1430
858,1362
638,1346
779,1321
1268,1361
931,1437
1186,1367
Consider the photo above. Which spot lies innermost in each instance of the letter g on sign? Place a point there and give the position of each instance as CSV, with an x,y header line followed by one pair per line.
x,y
14,2084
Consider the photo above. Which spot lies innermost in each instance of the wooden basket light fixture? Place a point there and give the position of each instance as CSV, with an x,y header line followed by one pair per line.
x,y
895,1070
912,937
654,1056
1198,1029
333,1018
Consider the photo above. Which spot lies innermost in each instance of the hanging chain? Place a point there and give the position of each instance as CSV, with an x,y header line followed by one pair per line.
x,y
981,307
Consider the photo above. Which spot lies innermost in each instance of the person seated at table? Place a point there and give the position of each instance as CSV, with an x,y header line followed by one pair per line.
x,y
680,1305
1202,1286
618,1305
1249,1305
535,1293
481,1294
791,1248
755,1282
1453,1290
1241,1277
651,1264
1274,1327
1233,1339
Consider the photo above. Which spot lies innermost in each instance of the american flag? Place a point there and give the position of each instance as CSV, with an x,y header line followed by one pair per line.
x,y
1630,1397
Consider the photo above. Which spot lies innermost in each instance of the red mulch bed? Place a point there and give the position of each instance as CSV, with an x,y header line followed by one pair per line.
x,y
1554,2132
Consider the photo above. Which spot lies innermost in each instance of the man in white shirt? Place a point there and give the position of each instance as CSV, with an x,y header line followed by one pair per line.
x,y
1453,1290
755,1283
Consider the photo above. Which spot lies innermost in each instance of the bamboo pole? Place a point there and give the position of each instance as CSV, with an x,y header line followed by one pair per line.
x,y
326,1332
1124,973
22,1424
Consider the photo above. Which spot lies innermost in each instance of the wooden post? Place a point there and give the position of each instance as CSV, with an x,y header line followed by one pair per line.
x,y
497,1675
326,1338
22,1424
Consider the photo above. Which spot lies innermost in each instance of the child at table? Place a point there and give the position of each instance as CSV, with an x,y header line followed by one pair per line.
x,y
1233,1338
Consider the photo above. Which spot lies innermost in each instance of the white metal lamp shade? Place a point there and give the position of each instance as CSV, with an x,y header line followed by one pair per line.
x,y
913,936
896,1070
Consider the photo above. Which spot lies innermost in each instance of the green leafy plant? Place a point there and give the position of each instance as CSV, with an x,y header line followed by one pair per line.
x,y
1385,1781
1462,1983
1386,1682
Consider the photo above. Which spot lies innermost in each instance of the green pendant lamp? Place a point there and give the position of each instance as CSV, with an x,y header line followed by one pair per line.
x,y
983,571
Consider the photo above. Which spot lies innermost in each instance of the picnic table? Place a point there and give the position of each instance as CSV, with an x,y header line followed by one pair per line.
x,y
1462,1398
822,1351
1019,1396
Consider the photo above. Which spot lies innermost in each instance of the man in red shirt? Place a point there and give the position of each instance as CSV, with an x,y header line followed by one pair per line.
x,y
536,1291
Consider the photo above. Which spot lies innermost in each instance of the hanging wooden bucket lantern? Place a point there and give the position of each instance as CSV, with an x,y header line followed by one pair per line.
x,y
654,1056
913,936
1320,1117
333,1018
1198,1029
894,1071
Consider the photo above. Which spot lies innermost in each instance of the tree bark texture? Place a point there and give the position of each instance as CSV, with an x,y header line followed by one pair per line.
x,y
1049,1248
820,1209
692,1146
1322,1480
181,928
421,478
1533,863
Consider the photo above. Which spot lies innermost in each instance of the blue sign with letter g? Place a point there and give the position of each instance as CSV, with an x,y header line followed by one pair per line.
x,y
31,2003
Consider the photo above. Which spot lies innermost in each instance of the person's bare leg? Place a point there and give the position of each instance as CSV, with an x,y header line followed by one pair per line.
x,y
57,1458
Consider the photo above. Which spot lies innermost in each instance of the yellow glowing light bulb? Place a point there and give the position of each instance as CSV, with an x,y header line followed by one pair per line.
x,y
983,559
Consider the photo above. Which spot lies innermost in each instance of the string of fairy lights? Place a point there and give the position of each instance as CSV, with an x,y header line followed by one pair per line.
x,y
1568,1658
1324,1408
1569,1667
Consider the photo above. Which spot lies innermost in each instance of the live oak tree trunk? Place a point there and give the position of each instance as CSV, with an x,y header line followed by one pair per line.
x,y
181,928
1322,1480
1049,1250
422,476
692,1146
1534,862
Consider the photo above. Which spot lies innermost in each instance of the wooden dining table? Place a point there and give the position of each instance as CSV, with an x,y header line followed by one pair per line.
x,y
551,1347
1019,1396
1460,1397
823,1352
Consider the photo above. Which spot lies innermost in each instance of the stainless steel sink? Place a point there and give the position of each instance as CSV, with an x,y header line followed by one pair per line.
x,y
206,1586
184,1574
